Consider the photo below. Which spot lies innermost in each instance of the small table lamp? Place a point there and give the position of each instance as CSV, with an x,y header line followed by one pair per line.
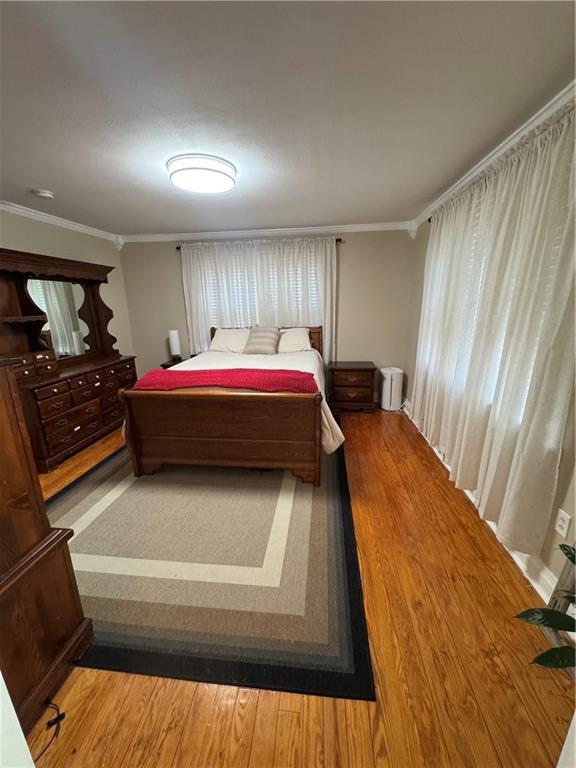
x,y
174,344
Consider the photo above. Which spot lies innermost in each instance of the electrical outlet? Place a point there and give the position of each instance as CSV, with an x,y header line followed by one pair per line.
x,y
562,524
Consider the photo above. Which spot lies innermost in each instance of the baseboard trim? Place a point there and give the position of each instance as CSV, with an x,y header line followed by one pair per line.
x,y
407,408
533,568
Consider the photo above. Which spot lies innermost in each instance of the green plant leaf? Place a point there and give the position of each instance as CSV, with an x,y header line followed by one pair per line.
x,y
570,552
563,656
548,617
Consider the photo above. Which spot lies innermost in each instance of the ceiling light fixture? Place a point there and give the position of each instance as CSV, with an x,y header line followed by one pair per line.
x,y
205,174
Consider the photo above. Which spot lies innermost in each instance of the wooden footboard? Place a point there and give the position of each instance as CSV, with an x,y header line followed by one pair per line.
x,y
220,428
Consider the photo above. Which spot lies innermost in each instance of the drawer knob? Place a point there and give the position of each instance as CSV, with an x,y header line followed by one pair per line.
x,y
55,389
62,422
76,429
91,409
58,405
97,384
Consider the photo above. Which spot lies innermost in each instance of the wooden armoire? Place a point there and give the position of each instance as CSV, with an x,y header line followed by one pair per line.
x,y
42,627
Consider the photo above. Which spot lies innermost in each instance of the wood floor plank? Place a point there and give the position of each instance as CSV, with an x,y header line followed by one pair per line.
x,y
360,746
264,738
156,738
242,730
335,734
312,732
212,750
290,702
196,725
287,752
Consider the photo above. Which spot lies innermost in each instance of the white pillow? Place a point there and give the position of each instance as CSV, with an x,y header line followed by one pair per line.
x,y
294,340
229,340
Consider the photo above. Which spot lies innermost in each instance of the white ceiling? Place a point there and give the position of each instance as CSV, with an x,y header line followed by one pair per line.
x,y
334,113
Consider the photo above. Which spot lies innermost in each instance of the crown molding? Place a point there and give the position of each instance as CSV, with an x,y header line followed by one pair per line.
x,y
560,100
120,240
56,221
227,234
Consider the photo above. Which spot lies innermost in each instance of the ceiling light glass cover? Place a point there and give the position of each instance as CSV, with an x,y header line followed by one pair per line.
x,y
201,173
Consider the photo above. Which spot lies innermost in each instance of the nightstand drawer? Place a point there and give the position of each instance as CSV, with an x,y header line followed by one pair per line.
x,y
352,395
352,378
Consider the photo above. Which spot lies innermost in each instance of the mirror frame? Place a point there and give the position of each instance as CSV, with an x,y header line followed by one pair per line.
x,y
94,312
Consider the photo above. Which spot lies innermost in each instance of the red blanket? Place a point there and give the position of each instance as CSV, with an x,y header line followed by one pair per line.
x,y
262,380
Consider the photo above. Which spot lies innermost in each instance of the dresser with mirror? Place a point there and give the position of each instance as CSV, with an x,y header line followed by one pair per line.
x,y
54,335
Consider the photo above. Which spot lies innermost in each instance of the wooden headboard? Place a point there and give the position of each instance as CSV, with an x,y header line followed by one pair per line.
x,y
315,332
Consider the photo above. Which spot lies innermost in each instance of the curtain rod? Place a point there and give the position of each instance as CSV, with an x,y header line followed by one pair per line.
x,y
338,240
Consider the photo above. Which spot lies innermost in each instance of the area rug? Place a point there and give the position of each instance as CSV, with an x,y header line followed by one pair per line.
x,y
233,576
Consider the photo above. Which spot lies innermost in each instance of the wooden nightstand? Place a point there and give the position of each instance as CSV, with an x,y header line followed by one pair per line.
x,y
170,363
352,386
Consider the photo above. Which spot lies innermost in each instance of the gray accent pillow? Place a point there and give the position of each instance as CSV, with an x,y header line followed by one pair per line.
x,y
262,341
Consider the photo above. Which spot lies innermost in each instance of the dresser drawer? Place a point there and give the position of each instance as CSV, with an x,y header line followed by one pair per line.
x,y
44,356
43,369
78,381
125,366
113,414
84,394
71,417
127,379
60,441
109,401
57,388
352,395
23,372
352,378
54,405
112,370
109,386
96,376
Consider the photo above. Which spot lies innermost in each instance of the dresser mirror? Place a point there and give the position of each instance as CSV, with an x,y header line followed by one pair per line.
x,y
51,311
65,331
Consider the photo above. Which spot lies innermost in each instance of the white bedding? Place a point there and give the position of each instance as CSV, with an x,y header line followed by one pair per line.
x,y
310,361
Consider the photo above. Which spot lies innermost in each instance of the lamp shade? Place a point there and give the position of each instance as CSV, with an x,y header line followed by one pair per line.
x,y
174,343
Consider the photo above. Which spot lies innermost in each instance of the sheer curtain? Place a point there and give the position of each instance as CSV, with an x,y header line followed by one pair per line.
x,y
240,283
56,299
495,362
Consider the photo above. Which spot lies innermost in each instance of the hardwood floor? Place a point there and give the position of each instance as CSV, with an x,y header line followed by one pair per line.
x,y
53,482
454,682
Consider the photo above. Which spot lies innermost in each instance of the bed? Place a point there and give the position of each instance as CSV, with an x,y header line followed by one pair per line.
x,y
236,428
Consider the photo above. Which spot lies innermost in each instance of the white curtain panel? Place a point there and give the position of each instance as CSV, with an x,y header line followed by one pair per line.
x,y
495,362
241,283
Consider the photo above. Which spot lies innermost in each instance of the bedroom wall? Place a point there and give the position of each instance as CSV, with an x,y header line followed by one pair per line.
x,y
24,234
378,298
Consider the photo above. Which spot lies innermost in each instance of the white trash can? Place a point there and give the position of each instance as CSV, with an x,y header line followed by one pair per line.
x,y
391,388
